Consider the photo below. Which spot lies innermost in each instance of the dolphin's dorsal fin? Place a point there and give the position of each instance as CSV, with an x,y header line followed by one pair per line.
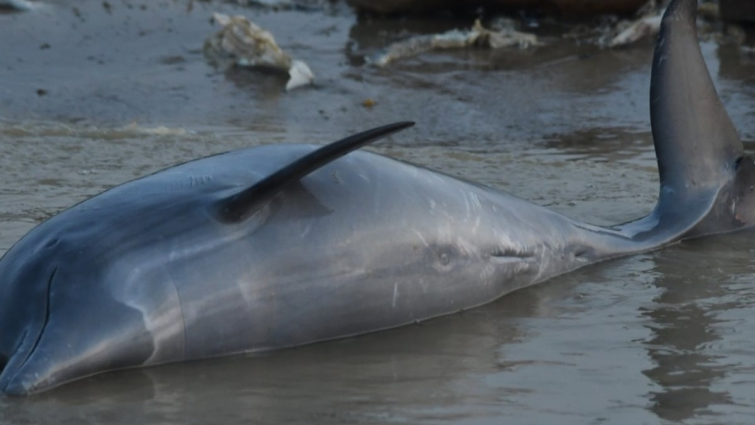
x,y
242,205
695,141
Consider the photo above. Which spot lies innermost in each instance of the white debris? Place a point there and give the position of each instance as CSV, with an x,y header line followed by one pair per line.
x,y
135,128
455,39
243,43
505,37
418,45
300,75
16,4
645,27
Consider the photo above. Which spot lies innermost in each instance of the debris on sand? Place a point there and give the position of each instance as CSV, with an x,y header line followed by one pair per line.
x,y
709,12
242,43
616,33
478,36
16,5
643,28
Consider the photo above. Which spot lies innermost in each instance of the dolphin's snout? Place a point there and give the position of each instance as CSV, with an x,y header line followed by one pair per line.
x,y
24,384
16,377
16,388
13,381
28,373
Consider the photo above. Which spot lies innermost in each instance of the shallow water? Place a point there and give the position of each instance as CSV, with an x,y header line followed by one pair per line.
x,y
663,337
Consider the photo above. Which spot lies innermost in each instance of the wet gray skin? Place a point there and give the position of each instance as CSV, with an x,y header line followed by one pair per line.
x,y
153,271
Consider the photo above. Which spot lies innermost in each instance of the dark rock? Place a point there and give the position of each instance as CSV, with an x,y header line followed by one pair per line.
x,y
737,10
581,8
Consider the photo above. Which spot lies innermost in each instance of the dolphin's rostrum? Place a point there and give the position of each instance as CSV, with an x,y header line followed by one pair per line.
x,y
284,245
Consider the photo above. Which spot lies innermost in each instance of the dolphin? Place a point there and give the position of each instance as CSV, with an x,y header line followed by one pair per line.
x,y
279,246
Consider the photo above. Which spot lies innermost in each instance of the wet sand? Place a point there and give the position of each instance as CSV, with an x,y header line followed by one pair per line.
x,y
92,96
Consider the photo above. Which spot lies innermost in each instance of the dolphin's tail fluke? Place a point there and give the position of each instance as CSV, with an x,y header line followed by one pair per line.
x,y
706,180
695,141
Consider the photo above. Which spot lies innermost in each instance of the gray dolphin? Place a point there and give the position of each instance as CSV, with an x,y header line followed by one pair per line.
x,y
279,246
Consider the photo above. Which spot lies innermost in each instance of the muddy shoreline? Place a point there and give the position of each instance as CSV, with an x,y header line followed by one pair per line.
x,y
93,96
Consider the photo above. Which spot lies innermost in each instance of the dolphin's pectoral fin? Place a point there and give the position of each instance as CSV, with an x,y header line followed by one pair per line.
x,y
242,205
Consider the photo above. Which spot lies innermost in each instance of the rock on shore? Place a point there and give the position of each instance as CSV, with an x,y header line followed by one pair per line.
x,y
558,7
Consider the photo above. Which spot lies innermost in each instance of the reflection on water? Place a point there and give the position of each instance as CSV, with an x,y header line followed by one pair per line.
x,y
691,335
680,327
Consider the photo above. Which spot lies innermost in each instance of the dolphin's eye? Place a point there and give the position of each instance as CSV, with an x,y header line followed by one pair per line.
x,y
446,255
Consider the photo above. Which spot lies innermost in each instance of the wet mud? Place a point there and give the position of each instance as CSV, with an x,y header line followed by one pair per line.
x,y
98,93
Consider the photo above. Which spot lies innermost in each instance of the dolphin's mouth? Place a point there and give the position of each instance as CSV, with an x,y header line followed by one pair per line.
x,y
47,314
23,352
